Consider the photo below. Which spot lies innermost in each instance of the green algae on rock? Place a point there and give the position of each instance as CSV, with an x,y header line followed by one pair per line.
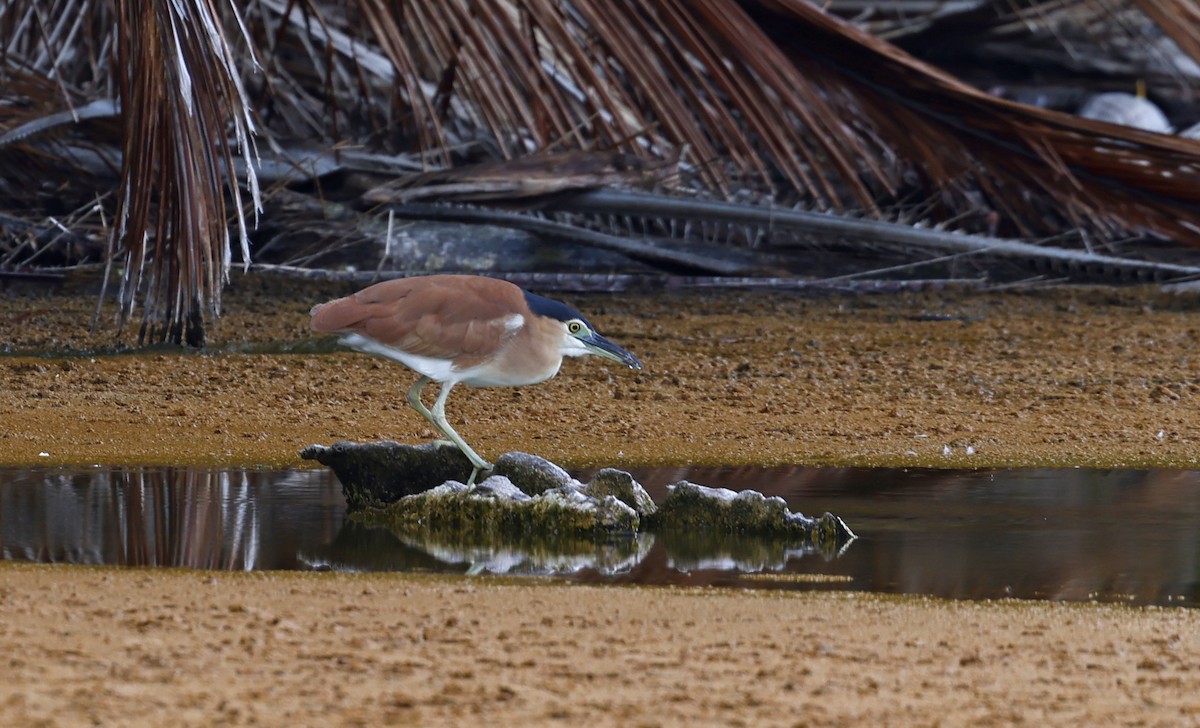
x,y
496,509
525,496
693,507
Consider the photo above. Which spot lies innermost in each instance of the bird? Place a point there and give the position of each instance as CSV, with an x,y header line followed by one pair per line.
x,y
468,329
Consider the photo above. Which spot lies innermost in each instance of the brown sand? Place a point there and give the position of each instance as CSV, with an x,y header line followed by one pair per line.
x,y
1068,378
1065,377
108,647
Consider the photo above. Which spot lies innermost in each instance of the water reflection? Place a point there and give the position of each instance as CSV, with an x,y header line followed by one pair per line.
x,y
1060,534
361,548
200,518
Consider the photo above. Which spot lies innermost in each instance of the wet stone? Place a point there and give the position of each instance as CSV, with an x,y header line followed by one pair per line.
x,y
420,489
620,484
498,488
374,474
700,508
536,475
609,512
496,507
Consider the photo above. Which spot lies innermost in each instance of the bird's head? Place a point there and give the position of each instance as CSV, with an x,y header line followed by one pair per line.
x,y
579,337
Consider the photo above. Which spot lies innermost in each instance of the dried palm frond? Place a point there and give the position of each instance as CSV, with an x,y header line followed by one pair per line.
x,y
526,180
169,74
620,75
1179,19
54,203
773,95
181,87
774,90
1100,177
1075,43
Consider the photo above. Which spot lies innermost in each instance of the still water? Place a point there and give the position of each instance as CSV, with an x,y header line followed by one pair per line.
x,y
1071,534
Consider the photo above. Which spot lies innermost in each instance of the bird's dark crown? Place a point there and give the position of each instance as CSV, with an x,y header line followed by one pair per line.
x,y
543,306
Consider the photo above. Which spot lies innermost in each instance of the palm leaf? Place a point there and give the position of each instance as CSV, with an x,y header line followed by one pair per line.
x,y
1103,178
775,96
181,88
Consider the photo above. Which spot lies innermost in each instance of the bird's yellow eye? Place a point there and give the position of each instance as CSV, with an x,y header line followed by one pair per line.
x,y
574,327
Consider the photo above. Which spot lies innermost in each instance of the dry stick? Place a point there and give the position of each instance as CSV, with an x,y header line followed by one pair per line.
x,y
652,205
649,282
632,248
101,108
387,245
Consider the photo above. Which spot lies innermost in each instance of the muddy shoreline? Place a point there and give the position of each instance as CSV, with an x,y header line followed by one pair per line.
x,y
1062,377
1089,377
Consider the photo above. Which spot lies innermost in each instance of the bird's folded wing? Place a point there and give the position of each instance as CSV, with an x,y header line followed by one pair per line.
x,y
465,323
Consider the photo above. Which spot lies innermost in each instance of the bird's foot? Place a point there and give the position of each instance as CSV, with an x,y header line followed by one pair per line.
x,y
481,467
478,464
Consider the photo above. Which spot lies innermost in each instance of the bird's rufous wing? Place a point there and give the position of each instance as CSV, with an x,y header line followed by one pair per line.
x,y
462,318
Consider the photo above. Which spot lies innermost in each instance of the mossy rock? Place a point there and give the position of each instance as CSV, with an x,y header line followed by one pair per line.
x,y
497,507
621,485
374,474
530,473
419,490
693,507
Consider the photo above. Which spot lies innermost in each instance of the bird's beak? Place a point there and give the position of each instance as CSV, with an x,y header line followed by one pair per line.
x,y
601,346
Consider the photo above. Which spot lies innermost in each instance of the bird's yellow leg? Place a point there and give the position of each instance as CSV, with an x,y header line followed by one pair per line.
x,y
414,398
439,420
415,401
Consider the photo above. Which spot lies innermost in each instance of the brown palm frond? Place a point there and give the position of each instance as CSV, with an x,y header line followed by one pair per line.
x,y
1102,178
530,180
44,69
1179,19
772,95
181,88
619,75
778,91
53,200
62,40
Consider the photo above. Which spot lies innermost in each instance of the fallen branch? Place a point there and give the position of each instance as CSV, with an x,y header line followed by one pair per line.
x,y
612,202
621,282
638,249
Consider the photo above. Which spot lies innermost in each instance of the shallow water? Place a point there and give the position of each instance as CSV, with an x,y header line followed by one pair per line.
x,y
1072,534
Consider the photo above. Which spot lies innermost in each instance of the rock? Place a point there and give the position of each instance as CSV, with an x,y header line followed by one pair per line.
x,y
618,483
697,507
1126,109
497,487
535,475
830,534
496,508
374,474
609,513
529,503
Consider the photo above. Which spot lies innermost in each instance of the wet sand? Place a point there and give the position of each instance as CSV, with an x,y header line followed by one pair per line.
x,y
1068,377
